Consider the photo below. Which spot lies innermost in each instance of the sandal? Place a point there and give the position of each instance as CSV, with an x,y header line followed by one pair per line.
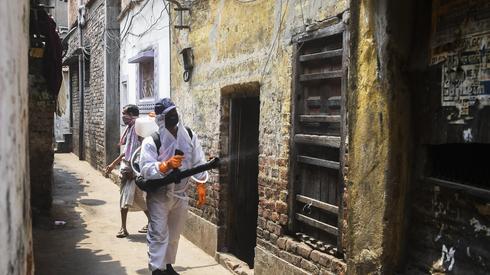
x,y
123,233
144,229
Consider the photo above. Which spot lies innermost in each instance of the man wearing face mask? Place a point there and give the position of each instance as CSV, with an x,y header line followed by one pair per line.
x,y
132,198
179,149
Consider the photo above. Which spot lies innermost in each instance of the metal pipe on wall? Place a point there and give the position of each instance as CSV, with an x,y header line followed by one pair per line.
x,y
81,84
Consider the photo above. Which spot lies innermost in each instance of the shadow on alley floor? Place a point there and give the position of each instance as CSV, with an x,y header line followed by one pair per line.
x,y
79,235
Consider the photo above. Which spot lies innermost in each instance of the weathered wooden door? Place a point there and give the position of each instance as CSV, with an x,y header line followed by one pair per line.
x,y
244,151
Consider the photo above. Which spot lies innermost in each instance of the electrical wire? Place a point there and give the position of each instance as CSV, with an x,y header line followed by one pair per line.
x,y
150,27
168,13
124,32
302,13
276,38
127,31
87,49
153,25
93,12
127,19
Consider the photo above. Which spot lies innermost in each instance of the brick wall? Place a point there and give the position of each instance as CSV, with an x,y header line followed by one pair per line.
x,y
75,99
41,133
94,92
94,132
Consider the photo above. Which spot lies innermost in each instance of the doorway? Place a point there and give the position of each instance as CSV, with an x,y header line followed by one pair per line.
x,y
243,187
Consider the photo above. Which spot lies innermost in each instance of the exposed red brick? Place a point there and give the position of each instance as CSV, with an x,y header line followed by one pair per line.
x,y
281,207
304,250
309,266
291,246
281,242
283,219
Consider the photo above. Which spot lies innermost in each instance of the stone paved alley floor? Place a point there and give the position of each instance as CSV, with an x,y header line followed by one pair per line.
x,y
86,244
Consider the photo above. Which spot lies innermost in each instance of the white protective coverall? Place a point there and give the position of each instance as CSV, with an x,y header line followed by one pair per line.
x,y
168,206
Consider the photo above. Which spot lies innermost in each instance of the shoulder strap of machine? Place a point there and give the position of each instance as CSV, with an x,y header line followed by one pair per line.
x,y
156,137
189,132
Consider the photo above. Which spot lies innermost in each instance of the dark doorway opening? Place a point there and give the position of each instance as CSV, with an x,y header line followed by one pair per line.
x,y
460,163
243,186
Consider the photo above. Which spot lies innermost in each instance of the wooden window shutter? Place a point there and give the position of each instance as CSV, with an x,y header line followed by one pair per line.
x,y
319,136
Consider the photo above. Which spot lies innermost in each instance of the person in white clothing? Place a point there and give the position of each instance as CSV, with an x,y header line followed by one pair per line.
x,y
131,198
168,205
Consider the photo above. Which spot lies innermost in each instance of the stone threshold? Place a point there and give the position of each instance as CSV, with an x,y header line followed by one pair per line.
x,y
233,264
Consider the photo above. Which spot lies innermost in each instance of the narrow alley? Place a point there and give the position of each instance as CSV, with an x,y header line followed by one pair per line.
x,y
79,237
249,137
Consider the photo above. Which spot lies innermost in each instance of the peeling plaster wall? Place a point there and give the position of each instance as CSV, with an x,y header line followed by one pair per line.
x,y
15,226
380,136
399,223
235,44
367,141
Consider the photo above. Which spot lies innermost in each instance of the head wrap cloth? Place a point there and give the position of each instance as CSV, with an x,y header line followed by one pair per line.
x,y
164,106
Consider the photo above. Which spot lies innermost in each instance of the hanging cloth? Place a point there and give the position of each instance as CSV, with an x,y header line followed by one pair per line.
x,y
41,24
61,102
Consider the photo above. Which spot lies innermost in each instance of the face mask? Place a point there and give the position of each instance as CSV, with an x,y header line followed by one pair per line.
x,y
160,120
126,119
171,119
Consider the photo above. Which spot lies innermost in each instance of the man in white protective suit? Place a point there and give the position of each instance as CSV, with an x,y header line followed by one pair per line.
x,y
168,205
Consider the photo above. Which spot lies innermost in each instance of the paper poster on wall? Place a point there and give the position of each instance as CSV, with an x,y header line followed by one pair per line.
x,y
460,42
465,78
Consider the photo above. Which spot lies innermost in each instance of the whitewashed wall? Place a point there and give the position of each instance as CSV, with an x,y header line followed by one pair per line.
x,y
15,220
157,37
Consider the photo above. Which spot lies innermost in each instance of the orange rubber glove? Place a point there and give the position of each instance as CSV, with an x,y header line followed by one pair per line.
x,y
201,192
172,163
